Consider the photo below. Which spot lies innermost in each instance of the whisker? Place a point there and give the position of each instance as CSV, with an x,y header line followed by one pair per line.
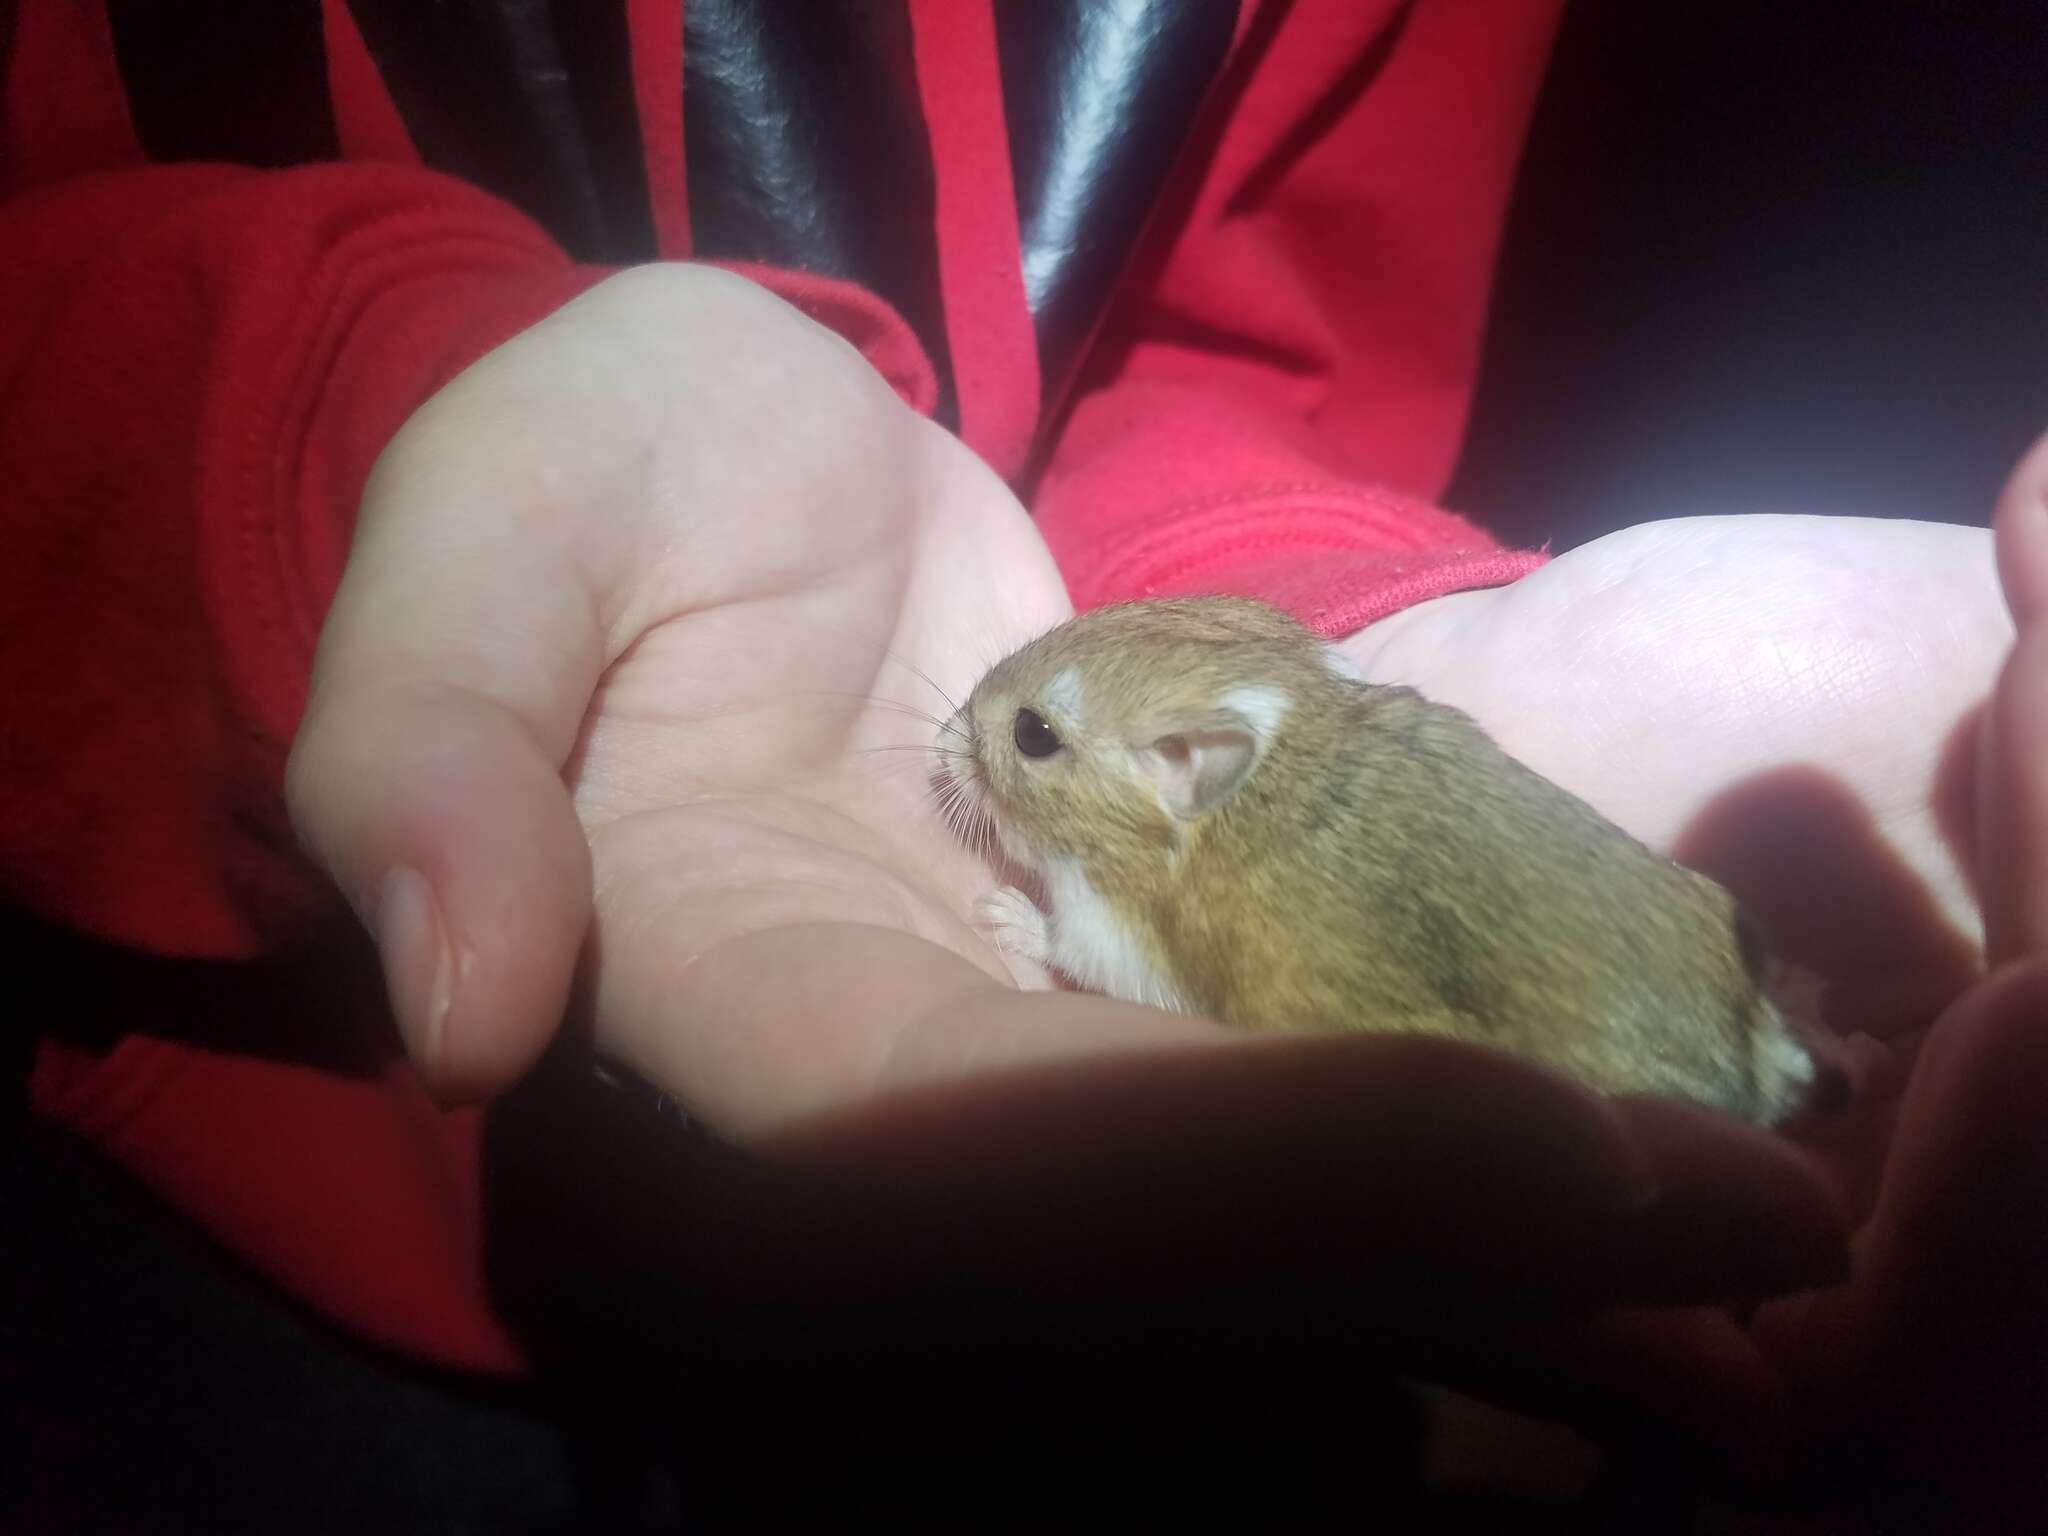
x,y
916,714
880,703
953,808
920,671
892,768
966,817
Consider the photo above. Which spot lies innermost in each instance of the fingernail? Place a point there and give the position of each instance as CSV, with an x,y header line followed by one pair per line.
x,y
419,967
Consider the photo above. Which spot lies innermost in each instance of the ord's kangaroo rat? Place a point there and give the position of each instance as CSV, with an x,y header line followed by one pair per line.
x,y
1226,821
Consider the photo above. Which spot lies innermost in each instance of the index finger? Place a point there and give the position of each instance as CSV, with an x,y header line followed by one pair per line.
x,y
1062,1130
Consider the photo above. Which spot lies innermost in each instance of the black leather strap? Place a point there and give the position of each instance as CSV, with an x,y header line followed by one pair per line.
x,y
807,148
1099,96
533,102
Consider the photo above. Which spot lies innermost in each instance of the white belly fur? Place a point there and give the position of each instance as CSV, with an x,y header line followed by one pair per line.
x,y
1096,947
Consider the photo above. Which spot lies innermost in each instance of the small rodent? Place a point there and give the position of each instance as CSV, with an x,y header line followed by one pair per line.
x,y
1226,820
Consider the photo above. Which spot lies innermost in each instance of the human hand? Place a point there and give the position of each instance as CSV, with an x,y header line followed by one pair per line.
x,y
617,634
628,608
1789,704
1785,703
1931,1362
1800,706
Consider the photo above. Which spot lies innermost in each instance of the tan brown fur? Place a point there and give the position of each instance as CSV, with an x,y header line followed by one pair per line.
x,y
1384,865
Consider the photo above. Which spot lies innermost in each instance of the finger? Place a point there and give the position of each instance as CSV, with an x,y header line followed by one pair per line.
x,y
2012,801
1391,1166
1940,1346
1661,1376
451,679
454,840
2012,793
881,1056
1960,1233
767,1276
1432,1135
1959,1230
1739,1212
2020,529
1688,1373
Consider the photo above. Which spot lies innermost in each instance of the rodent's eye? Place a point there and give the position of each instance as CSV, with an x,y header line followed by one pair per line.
x,y
1033,736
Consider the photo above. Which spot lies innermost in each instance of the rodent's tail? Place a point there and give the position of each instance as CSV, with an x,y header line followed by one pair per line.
x,y
1790,1075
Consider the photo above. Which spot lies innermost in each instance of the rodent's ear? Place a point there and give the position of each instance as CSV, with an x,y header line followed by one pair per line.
x,y
1198,763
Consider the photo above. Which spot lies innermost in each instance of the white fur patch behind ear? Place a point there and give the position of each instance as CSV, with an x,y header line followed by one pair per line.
x,y
1262,709
1199,765
1340,664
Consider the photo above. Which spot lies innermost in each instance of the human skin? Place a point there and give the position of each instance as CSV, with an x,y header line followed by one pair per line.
x,y
1906,667
590,732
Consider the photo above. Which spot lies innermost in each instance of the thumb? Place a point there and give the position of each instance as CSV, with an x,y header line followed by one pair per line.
x,y
426,777
454,840
2020,530
2013,753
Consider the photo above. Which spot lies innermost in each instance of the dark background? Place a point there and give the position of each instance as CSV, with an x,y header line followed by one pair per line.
x,y
1770,257
1786,257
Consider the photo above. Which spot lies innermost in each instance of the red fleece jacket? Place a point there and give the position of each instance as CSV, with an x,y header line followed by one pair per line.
x,y
199,362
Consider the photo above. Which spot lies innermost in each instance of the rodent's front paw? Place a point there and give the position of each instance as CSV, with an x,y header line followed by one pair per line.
x,y
1014,924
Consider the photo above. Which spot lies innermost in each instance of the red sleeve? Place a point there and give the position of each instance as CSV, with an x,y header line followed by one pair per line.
x,y
1283,387
198,365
